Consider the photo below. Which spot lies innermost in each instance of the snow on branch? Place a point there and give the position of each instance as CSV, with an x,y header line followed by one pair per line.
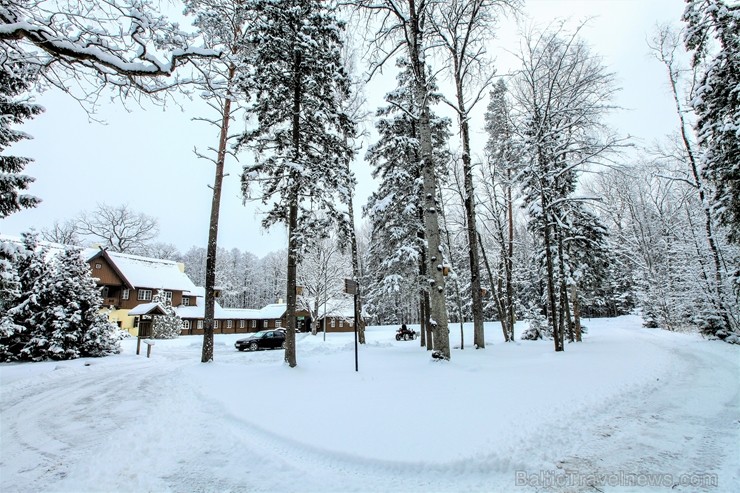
x,y
118,42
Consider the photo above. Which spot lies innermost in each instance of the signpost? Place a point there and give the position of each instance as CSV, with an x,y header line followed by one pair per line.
x,y
352,287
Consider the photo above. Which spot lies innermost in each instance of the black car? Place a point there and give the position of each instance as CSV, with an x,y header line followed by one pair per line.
x,y
266,339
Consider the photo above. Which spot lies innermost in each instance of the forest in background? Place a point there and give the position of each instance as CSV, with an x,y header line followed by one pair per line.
x,y
561,218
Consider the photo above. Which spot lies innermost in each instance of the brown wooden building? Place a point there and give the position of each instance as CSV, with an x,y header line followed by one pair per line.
x,y
127,281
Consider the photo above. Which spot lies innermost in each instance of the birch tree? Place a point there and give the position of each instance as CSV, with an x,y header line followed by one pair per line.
x,y
402,29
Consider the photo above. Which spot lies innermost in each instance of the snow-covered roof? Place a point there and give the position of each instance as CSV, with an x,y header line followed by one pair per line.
x,y
269,312
146,309
144,272
274,311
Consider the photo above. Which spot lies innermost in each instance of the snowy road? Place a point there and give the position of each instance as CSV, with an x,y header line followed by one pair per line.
x,y
627,405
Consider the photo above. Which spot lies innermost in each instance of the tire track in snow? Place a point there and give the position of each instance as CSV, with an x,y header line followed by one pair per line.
x,y
58,438
669,431
253,456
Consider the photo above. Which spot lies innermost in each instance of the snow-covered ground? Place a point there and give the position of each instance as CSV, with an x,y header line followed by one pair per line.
x,y
629,409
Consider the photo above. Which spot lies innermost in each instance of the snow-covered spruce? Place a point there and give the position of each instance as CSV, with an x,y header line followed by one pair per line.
x,y
53,311
16,80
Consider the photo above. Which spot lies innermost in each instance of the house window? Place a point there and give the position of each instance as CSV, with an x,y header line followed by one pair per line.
x,y
186,324
341,323
136,322
98,266
168,296
185,301
265,324
333,323
215,324
254,324
241,324
145,294
125,293
228,324
278,324
200,324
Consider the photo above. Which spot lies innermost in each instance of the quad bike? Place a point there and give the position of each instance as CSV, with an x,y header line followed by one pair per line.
x,y
404,334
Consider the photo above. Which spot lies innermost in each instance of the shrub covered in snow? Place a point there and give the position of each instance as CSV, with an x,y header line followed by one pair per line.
x,y
54,312
538,326
166,326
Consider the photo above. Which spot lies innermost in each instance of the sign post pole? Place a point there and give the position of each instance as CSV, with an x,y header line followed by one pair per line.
x,y
350,287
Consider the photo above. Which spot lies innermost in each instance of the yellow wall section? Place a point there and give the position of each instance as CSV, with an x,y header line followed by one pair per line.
x,y
127,323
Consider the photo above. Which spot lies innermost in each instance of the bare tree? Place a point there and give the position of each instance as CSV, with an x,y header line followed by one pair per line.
x,y
64,233
118,228
161,250
223,23
561,95
664,47
320,274
463,28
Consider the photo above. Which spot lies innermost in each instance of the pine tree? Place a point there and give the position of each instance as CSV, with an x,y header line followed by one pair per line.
x,y
717,100
502,160
27,271
15,82
395,209
55,313
300,146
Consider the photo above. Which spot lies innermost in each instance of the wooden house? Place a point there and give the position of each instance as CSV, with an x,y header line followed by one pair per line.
x,y
127,281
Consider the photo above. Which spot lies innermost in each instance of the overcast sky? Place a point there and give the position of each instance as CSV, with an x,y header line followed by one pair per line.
x,y
144,158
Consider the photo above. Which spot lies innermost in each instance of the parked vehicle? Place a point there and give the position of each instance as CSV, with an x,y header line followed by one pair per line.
x,y
265,339
405,334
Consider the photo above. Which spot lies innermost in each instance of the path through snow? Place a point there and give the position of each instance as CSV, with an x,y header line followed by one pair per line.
x,y
627,405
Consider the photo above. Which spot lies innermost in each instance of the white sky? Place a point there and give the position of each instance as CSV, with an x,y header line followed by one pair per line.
x,y
144,158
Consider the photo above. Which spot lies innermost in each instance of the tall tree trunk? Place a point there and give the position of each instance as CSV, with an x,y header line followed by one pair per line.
x,y
479,340
458,295
509,262
495,294
356,273
438,316
552,306
212,248
427,339
564,303
576,313
422,323
290,352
